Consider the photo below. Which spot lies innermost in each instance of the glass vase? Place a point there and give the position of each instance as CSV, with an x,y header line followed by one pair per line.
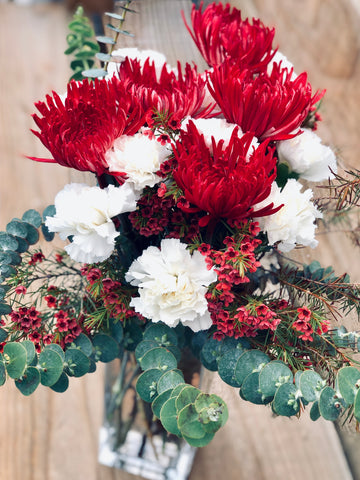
x,y
131,438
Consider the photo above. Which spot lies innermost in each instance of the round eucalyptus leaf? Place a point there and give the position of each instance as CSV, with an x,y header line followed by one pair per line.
x,y
146,385
310,385
29,382
5,309
189,423
348,383
169,379
3,292
106,347
16,228
200,442
84,344
22,245
315,412
10,258
32,235
50,211
132,336
330,406
3,335
49,236
78,363
250,361
14,355
357,406
33,217
272,375
210,354
62,384
159,402
30,351
2,371
161,333
212,410
285,402
116,330
51,366
176,390
57,349
8,242
250,390
144,347
159,358
227,366
186,396
168,417
7,271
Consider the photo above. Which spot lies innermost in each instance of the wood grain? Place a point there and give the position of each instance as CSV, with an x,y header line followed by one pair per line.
x,y
54,436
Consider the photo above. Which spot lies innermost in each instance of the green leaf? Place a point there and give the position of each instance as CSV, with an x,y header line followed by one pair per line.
x,y
315,412
22,245
144,347
146,385
348,382
189,422
329,405
210,354
159,358
187,395
168,417
51,367
3,335
57,349
132,336
250,390
8,242
33,217
32,236
16,228
161,333
272,375
227,367
285,402
84,344
7,271
169,379
103,57
62,384
30,350
310,385
10,258
212,410
249,362
106,347
49,236
14,355
29,382
107,40
176,390
5,309
50,211
200,442
159,402
78,363
2,371
116,330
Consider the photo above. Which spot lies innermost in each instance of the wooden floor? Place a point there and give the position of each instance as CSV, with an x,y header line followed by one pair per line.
x,y
54,436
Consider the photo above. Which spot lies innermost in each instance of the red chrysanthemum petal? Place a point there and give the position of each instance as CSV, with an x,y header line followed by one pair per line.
x,y
271,106
225,184
220,34
80,130
176,94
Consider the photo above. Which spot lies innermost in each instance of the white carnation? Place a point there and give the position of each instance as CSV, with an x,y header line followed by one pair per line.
x,y
294,222
142,55
172,285
139,157
219,129
85,213
307,156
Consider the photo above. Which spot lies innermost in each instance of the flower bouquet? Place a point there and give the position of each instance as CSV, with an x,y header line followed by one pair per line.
x,y
178,256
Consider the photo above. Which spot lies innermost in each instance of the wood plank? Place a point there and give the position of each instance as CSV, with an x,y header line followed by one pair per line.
x,y
54,436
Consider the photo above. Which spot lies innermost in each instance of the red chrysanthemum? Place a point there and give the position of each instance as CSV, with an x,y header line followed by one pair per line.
x,y
80,130
220,34
175,94
225,184
271,106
